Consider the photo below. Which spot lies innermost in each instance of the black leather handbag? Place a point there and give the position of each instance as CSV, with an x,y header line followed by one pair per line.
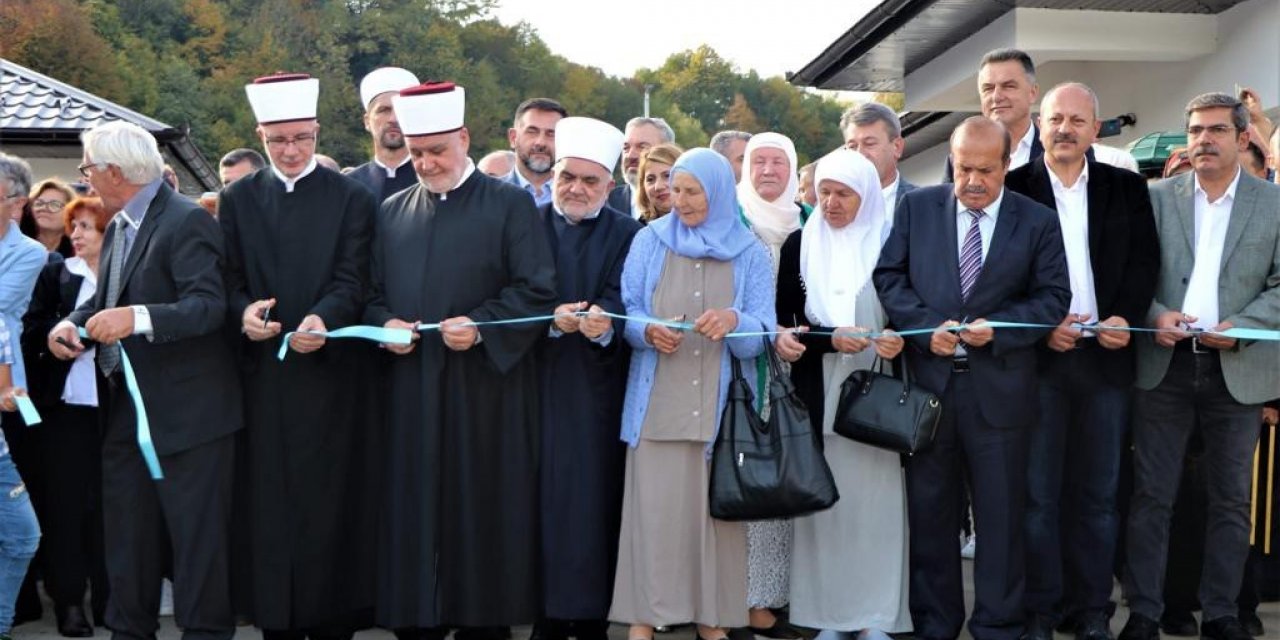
x,y
762,470
882,411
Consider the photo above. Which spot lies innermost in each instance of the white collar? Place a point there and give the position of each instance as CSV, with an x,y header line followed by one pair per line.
x,y
893,186
1029,137
391,171
1056,182
992,210
466,173
1229,193
80,267
590,216
290,182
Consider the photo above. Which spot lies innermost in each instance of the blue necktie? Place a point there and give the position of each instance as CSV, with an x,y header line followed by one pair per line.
x,y
971,255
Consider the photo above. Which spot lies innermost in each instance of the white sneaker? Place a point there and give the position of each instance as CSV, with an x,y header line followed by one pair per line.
x,y
166,598
970,547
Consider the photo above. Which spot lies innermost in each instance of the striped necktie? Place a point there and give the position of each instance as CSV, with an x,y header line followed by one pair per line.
x,y
109,354
971,254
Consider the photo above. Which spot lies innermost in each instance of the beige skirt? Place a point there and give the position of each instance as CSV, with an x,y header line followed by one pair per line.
x,y
675,563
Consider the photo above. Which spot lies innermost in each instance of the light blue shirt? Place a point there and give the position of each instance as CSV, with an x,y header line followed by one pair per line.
x,y
986,224
540,199
21,259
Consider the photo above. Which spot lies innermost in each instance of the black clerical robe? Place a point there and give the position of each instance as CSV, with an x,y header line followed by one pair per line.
x,y
308,486
373,176
459,541
583,384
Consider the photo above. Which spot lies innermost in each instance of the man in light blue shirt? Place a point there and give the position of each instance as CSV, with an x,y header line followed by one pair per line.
x,y
533,137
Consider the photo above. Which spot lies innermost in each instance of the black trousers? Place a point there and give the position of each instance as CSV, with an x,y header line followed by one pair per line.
x,y
1193,394
188,511
997,463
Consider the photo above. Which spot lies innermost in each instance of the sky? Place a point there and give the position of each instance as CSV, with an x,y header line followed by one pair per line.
x,y
622,36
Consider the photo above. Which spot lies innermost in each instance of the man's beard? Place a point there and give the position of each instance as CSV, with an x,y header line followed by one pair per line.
x,y
535,165
390,140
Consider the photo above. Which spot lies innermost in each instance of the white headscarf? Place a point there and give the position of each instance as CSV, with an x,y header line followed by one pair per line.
x,y
837,263
772,221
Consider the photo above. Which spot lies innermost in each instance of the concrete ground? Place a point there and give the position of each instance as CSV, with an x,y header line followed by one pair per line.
x,y
46,629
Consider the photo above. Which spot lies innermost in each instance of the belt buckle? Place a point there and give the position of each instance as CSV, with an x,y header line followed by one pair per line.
x,y
960,365
1196,347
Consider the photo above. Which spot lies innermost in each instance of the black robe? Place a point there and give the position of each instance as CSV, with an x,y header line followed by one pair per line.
x,y
309,489
583,385
459,537
375,178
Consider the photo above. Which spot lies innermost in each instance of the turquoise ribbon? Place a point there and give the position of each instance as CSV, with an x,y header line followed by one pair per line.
x,y
383,335
435,326
28,410
140,410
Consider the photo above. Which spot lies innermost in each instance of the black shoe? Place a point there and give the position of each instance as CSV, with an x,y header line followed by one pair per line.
x,y
1224,628
550,630
1093,625
72,622
1140,627
1039,627
1179,623
1252,623
779,631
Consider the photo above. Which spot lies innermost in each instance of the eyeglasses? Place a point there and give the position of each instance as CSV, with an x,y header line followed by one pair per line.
x,y
83,168
56,205
301,140
1216,130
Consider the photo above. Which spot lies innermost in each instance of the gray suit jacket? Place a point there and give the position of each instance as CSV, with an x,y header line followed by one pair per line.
x,y
1248,286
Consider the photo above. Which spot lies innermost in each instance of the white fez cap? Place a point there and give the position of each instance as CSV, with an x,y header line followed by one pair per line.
x,y
588,139
384,79
431,108
284,97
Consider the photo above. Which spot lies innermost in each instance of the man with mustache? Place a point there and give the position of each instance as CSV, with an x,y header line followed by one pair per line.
x,y
533,137
1113,257
582,457
1220,268
641,135
958,256
389,171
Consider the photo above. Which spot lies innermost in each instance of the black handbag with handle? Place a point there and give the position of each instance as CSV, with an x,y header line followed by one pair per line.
x,y
883,411
762,470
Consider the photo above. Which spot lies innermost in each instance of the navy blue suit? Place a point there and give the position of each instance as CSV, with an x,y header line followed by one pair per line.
x,y
985,410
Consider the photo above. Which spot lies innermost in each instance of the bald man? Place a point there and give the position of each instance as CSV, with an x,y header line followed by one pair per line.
x,y
960,255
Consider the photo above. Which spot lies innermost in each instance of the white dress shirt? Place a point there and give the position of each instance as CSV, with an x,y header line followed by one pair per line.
x,y
1021,153
82,387
890,194
1073,214
1212,219
986,225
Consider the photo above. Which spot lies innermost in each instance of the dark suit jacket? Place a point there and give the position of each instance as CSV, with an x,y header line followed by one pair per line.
x,y
620,198
185,370
1023,279
53,299
1124,250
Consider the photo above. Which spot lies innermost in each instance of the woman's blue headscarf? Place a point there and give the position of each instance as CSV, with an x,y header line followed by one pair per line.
x,y
722,236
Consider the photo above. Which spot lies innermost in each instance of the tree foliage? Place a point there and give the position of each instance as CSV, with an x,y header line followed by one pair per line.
x,y
185,62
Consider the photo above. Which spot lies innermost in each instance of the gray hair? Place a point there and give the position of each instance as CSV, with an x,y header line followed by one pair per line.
x,y
722,139
16,173
871,113
127,146
1239,114
1097,107
668,134
1011,55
